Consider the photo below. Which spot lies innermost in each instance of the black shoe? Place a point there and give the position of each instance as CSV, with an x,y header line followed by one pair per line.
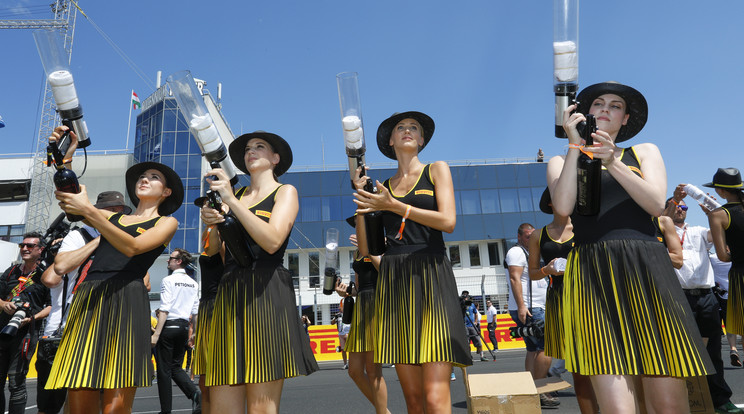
x,y
196,403
735,361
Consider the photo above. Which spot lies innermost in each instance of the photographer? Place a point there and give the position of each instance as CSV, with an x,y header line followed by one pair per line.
x,y
77,249
472,322
21,281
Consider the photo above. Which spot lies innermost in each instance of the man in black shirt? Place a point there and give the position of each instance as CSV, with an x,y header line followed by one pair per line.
x,y
22,281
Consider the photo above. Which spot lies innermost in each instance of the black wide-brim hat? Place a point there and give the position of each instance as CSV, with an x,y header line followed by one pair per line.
x,y
545,202
386,129
351,220
280,146
728,178
172,180
634,101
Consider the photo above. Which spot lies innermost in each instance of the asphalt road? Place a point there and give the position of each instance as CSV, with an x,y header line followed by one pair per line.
x,y
331,390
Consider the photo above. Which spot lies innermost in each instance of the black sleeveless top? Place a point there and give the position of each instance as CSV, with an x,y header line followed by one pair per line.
x,y
110,263
620,217
211,271
735,233
421,196
659,232
366,272
262,210
551,249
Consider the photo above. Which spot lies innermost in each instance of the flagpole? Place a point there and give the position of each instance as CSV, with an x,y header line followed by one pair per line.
x,y
129,121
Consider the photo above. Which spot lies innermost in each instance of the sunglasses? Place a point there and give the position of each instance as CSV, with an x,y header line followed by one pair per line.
x,y
173,258
683,208
27,245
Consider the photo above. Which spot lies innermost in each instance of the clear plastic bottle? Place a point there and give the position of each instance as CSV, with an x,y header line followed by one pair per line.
x,y
705,200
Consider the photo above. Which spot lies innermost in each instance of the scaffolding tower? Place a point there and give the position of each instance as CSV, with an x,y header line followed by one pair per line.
x,y
42,188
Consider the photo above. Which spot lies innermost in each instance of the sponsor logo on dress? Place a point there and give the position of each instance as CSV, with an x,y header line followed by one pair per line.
x,y
140,230
424,192
367,260
263,213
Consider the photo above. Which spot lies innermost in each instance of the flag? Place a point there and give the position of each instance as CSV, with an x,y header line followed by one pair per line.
x,y
135,101
2,123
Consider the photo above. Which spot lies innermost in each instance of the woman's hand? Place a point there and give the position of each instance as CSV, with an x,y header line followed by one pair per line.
x,y
368,202
211,216
220,182
353,240
77,204
570,120
57,135
341,288
361,179
551,269
603,148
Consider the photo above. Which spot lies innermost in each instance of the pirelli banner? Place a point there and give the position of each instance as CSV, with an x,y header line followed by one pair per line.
x,y
324,339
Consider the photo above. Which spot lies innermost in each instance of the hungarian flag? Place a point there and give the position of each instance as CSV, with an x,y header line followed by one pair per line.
x,y
135,101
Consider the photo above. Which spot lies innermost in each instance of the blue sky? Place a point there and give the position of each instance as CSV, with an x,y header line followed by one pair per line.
x,y
481,69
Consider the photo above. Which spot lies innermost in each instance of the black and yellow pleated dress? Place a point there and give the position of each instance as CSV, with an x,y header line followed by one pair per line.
x,y
417,309
735,241
362,333
624,312
212,269
256,334
549,250
106,341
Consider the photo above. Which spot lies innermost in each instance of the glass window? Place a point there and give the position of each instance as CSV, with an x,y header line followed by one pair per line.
x,y
536,195
314,268
192,215
182,142
509,200
16,230
182,124
454,253
470,200
525,199
194,166
170,103
506,175
523,175
474,255
169,120
168,142
458,204
490,201
331,206
310,207
167,160
487,176
293,265
494,259
351,264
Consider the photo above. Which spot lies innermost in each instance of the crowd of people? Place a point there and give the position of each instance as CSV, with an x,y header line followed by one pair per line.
x,y
617,297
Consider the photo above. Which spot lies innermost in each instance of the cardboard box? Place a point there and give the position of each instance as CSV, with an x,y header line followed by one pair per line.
x,y
699,394
508,393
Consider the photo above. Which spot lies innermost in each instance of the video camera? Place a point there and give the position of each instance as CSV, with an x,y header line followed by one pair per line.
x,y
57,230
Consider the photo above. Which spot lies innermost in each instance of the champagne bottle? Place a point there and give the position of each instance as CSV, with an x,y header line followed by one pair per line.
x,y
64,180
348,305
589,173
237,241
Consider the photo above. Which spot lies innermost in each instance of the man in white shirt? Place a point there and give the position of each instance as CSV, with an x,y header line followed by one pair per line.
x,y
491,324
527,304
179,302
697,279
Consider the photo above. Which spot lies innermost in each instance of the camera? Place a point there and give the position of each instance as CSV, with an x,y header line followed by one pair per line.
x,y
57,230
465,302
23,310
532,329
48,347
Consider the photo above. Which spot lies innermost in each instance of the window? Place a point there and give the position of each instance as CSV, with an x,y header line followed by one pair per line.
x,y
14,190
293,265
314,268
525,199
13,234
490,201
474,255
454,253
509,200
494,259
310,207
470,202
